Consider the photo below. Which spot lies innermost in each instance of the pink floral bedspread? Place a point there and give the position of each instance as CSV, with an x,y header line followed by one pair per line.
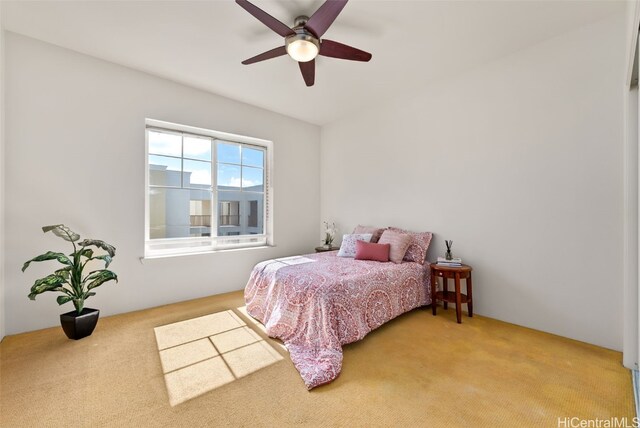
x,y
317,303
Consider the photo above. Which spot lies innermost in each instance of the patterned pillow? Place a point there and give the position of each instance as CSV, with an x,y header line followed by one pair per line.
x,y
348,246
399,244
417,251
375,231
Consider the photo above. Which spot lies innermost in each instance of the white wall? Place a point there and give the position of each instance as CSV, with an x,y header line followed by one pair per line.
x,y
2,246
75,155
520,163
630,292
630,115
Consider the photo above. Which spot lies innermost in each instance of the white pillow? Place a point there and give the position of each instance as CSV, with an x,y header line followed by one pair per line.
x,y
348,246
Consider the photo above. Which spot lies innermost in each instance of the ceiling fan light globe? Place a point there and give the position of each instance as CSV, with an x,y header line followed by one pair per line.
x,y
302,46
302,50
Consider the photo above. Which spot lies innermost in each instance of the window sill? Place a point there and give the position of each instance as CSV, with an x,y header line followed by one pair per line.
x,y
198,253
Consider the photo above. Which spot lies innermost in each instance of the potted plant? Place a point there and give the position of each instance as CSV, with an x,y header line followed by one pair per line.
x,y
71,280
329,234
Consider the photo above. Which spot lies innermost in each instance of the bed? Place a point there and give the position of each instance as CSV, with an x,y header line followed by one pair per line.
x,y
316,303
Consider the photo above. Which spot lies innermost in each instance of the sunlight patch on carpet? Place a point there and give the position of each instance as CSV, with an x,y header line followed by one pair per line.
x,y
205,353
234,339
184,355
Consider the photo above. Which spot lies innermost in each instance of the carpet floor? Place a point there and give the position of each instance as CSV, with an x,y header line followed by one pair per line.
x,y
417,370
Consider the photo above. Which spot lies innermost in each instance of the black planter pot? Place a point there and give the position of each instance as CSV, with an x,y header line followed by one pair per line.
x,y
78,326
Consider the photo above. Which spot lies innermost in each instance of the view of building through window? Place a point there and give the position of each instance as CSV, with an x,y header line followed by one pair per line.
x,y
189,173
229,213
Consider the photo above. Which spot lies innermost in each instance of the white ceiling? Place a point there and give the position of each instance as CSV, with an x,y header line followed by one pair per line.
x,y
201,43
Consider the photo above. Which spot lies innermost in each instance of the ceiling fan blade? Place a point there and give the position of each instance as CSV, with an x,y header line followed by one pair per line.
x,y
273,53
308,70
322,19
338,50
266,19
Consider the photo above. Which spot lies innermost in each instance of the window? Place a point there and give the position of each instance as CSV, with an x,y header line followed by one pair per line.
x,y
206,190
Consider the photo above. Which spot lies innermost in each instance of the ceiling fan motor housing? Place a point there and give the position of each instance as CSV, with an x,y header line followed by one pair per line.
x,y
300,21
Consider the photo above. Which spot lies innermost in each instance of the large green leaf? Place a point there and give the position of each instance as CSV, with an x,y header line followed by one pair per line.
x,y
64,299
49,255
100,244
49,283
85,252
52,279
100,277
106,258
64,272
62,231
93,274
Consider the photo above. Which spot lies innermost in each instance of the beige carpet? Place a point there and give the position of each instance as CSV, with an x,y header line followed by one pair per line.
x,y
418,370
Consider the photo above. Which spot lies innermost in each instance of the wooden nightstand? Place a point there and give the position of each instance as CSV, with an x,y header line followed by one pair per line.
x,y
323,249
455,273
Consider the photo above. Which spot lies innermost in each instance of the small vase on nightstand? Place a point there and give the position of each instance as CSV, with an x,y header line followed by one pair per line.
x,y
448,255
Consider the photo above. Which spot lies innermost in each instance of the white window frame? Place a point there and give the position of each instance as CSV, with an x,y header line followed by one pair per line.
x,y
166,247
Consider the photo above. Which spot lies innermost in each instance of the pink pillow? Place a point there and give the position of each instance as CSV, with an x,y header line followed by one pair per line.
x,y
376,232
399,244
417,251
370,251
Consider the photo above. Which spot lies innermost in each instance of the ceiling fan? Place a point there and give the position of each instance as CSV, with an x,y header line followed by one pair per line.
x,y
302,42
